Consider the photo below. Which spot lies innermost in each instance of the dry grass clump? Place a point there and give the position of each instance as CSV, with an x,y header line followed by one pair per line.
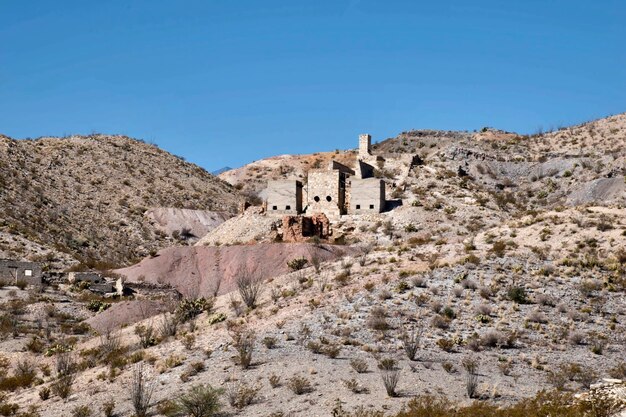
x,y
299,385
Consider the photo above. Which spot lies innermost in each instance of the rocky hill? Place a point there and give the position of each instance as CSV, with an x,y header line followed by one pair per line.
x,y
84,198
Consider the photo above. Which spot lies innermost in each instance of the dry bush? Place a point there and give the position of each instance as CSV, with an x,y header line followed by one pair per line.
x,y
537,316
243,342
377,319
199,401
249,287
299,385
240,394
82,411
471,381
274,380
410,344
63,386
354,386
359,365
390,378
141,390
169,326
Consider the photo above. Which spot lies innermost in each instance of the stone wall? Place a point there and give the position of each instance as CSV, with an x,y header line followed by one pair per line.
x,y
326,192
13,271
93,277
367,196
284,197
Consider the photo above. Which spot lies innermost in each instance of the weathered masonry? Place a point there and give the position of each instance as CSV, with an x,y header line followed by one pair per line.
x,y
327,190
334,191
284,197
12,272
367,195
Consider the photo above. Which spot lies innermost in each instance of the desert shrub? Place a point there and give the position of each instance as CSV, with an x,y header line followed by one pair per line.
x,y
537,316
390,378
243,342
331,350
359,365
188,341
97,306
82,411
141,390
314,346
439,322
299,385
354,386
199,401
387,364
297,264
576,338
618,371
62,387
469,284
169,326
274,380
544,404
108,408
517,294
449,313
491,339
498,248
249,287
377,319
410,344
269,342
471,381
44,393
146,335
447,345
483,309
240,394
188,309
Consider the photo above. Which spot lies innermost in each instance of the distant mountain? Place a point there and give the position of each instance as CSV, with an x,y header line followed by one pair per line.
x,y
219,171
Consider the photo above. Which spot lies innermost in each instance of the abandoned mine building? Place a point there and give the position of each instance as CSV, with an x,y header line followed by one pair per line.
x,y
12,272
334,191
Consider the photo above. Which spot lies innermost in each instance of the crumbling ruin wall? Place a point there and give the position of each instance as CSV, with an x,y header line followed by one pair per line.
x,y
302,228
12,271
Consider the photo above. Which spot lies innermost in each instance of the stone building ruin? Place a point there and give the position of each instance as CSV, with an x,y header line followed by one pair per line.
x,y
12,272
334,191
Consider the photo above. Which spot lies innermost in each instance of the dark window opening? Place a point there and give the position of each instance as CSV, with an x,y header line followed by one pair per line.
x,y
317,199
287,207
329,198
358,206
371,207
274,207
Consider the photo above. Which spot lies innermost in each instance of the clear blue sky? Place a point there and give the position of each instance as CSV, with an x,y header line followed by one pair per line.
x,y
225,82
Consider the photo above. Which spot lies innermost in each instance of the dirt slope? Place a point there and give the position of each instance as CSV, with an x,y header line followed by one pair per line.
x,y
204,270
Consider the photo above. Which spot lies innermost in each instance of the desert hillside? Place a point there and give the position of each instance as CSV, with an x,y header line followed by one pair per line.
x,y
84,198
492,284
